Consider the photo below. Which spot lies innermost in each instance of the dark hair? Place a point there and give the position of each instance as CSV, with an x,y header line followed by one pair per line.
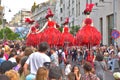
x,y
23,48
13,53
99,57
55,73
4,77
18,58
87,13
87,67
68,62
1,53
17,46
74,67
6,66
54,49
23,60
78,69
43,47
11,46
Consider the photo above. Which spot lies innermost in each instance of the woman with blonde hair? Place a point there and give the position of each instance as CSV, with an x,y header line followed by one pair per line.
x,y
42,74
12,74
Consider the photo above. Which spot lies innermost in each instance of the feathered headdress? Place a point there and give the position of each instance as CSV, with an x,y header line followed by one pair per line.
x,y
33,29
57,26
49,13
66,21
29,21
88,9
37,25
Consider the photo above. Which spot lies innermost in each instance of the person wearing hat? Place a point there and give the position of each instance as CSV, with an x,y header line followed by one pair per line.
x,y
6,66
33,36
87,12
51,34
66,37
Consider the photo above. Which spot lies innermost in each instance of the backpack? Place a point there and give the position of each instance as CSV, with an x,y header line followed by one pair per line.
x,y
60,57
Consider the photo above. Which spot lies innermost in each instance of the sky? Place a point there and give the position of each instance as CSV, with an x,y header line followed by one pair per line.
x,y
16,5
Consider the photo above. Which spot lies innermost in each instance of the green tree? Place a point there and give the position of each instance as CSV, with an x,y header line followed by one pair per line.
x,y
7,33
60,29
74,29
0,21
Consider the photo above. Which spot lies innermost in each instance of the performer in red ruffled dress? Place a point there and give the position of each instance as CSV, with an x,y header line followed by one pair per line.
x,y
88,35
50,34
66,37
33,36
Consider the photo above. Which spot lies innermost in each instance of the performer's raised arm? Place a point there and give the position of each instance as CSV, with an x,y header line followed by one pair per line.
x,y
28,32
48,17
44,27
66,25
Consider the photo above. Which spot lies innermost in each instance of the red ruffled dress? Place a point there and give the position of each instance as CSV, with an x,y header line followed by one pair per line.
x,y
66,37
88,35
51,34
33,38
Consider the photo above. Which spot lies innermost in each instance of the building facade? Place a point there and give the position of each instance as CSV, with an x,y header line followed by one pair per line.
x,y
105,15
40,12
19,18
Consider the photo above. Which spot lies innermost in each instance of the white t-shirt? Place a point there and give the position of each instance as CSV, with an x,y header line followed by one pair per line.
x,y
12,59
37,60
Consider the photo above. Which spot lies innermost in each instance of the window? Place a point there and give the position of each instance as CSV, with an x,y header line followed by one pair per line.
x,y
110,28
101,27
72,1
72,11
101,0
61,1
69,12
78,9
61,18
61,10
69,3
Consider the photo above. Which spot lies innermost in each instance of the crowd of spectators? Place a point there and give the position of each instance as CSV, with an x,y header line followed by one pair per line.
x,y
19,62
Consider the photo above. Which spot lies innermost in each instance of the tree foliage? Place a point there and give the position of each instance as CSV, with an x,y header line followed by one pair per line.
x,y
74,29
60,29
7,33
